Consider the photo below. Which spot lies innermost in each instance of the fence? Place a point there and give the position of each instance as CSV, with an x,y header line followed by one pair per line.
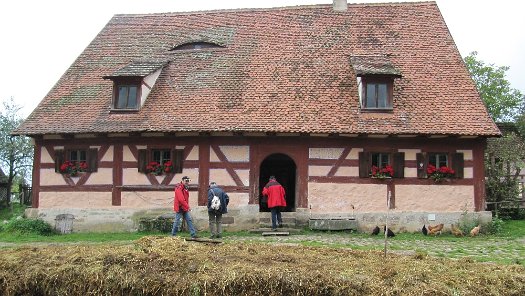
x,y
25,194
3,194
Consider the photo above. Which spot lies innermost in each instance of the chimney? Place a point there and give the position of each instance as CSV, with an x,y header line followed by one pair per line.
x,y
340,5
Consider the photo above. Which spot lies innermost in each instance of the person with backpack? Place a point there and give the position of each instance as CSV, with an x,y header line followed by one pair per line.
x,y
181,206
276,201
217,205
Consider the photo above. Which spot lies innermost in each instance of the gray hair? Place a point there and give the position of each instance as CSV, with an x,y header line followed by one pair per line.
x,y
213,184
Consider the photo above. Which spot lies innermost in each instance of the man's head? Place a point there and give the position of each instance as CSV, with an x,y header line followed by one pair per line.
x,y
186,180
272,178
213,184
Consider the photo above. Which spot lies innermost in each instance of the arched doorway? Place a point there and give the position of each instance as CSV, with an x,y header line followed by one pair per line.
x,y
284,169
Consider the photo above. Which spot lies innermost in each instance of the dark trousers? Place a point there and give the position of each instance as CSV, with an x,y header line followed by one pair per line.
x,y
276,217
215,223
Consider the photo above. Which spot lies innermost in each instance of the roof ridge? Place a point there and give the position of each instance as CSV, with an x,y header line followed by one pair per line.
x,y
277,8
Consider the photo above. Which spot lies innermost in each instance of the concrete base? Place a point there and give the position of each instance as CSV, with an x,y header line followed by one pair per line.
x,y
119,219
333,224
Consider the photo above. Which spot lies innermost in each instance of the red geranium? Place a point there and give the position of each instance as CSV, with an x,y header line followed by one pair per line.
x,y
382,173
154,168
443,172
73,167
157,169
168,167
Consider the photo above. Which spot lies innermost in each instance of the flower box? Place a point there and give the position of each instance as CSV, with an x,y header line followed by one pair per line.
x,y
386,172
439,174
73,168
158,169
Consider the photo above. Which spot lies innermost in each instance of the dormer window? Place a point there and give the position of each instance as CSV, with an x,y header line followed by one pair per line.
x,y
375,80
196,46
127,94
133,83
377,93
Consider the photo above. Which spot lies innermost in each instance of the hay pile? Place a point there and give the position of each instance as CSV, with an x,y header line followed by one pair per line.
x,y
173,266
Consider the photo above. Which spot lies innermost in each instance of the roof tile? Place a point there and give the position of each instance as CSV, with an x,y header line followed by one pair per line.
x,y
280,70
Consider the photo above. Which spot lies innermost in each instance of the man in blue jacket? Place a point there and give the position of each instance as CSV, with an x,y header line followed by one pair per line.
x,y
216,209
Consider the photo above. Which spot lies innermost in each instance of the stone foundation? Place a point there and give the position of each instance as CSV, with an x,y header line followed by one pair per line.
x,y
249,217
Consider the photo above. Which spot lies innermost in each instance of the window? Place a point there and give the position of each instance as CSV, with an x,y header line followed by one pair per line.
x,y
126,97
377,93
126,93
77,155
162,157
89,156
367,160
438,159
197,46
454,161
380,160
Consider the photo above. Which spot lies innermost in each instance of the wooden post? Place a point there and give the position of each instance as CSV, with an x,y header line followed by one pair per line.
x,y
386,221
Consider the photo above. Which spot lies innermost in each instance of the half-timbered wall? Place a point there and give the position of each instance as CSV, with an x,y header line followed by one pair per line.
x,y
328,181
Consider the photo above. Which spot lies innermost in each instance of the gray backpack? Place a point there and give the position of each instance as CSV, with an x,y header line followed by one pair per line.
x,y
215,202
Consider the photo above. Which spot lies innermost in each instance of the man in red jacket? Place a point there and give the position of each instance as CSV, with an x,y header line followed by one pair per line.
x,y
181,207
276,201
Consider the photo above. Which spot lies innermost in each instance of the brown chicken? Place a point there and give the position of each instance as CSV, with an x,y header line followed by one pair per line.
x,y
475,230
434,230
455,230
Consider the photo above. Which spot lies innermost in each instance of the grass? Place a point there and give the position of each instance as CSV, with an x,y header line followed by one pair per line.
x,y
15,210
506,247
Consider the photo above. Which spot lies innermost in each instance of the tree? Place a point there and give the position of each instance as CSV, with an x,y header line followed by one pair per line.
x,y
504,162
502,101
16,152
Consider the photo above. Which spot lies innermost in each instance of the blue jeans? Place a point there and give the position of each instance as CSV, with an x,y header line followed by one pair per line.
x,y
276,217
178,219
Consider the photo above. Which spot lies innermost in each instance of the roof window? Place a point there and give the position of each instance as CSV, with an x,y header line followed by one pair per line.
x,y
196,46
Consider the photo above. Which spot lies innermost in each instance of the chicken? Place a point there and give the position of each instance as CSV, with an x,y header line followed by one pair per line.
x,y
455,230
475,230
424,230
436,229
376,230
389,232
440,226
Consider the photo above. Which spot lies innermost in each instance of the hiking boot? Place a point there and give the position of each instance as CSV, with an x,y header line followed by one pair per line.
x,y
218,236
280,225
274,229
212,236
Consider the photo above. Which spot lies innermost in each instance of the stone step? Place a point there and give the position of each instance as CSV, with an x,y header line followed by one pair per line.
x,y
275,233
269,229
286,220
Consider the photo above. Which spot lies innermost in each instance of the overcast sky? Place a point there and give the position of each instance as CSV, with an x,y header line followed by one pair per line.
x,y
41,39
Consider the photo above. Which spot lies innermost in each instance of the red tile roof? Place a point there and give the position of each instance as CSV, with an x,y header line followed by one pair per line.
x,y
280,70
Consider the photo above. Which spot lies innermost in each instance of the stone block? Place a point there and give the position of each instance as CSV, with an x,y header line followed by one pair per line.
x,y
333,224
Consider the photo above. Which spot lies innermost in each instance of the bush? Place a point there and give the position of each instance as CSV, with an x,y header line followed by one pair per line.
x,y
514,213
495,227
466,222
33,226
159,224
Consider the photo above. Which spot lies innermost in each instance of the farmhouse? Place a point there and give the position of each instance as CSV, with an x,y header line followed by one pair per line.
x,y
348,105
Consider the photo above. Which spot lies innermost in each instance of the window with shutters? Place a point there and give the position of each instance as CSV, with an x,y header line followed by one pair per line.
x,y
439,165
383,163
74,161
160,161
